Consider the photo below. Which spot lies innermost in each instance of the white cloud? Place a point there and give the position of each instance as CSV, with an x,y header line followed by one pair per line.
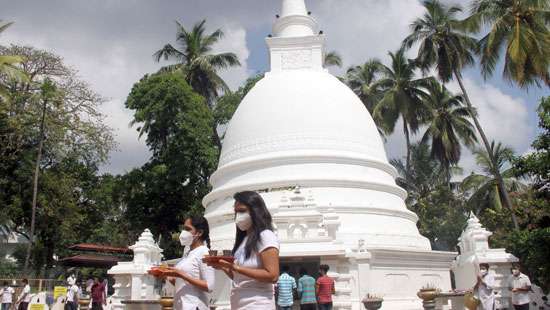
x,y
234,41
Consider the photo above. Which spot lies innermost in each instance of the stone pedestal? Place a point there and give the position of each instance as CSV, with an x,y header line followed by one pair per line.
x,y
134,287
474,249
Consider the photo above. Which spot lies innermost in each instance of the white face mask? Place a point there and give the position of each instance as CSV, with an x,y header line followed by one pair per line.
x,y
483,272
243,221
186,238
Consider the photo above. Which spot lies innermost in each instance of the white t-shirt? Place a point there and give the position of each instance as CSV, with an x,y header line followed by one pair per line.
x,y
247,293
187,296
27,293
7,294
521,281
72,292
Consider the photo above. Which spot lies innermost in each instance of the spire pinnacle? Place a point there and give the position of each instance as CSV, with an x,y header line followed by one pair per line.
x,y
293,7
294,21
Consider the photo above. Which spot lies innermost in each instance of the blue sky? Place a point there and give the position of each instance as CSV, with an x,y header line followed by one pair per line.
x,y
110,43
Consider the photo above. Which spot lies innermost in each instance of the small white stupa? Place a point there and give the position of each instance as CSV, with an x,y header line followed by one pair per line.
x,y
306,142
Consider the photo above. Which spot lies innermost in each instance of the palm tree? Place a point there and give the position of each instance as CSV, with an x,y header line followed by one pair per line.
x,y
199,66
484,187
402,97
8,67
448,125
362,80
519,29
333,59
444,45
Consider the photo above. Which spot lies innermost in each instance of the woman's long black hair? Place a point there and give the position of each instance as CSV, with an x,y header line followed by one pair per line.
x,y
201,224
261,220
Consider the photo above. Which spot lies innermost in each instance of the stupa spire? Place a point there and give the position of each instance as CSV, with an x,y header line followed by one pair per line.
x,y
293,7
294,20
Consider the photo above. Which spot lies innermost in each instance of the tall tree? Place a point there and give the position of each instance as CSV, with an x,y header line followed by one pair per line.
x,y
446,46
64,124
448,125
332,58
199,65
177,125
483,189
519,30
402,98
48,95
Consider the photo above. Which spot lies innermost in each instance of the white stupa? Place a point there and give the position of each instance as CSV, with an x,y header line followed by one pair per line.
x,y
306,142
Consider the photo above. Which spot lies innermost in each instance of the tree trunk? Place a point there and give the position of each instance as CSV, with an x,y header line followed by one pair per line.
x,y
35,186
408,143
216,137
500,180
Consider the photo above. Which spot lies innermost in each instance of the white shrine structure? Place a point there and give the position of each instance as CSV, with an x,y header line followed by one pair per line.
x,y
474,250
307,143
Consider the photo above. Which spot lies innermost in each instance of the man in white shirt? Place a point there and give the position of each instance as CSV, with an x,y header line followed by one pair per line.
x,y
7,296
25,297
520,286
484,288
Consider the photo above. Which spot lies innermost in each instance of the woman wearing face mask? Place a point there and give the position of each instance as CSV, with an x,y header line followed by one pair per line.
x,y
483,289
193,279
256,252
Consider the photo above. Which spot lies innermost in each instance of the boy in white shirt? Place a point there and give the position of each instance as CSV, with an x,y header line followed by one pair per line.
x,y
25,297
72,295
7,296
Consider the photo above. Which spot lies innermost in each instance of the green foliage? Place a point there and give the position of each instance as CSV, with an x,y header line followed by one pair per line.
x,y
440,209
518,33
195,59
448,124
537,163
177,125
8,269
443,44
532,247
76,142
333,59
362,80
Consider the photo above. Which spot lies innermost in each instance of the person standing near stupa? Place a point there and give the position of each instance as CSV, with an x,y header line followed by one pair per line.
x,y
483,289
256,252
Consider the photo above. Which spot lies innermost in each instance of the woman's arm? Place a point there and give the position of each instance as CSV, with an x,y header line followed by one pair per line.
x,y
270,271
176,273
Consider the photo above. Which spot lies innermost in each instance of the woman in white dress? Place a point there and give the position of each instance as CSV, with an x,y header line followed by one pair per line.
x,y
193,279
256,252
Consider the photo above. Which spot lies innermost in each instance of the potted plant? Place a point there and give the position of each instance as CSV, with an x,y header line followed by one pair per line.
x,y
372,302
428,292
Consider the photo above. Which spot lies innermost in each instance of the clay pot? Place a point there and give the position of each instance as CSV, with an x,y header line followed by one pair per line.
x,y
427,294
166,302
372,303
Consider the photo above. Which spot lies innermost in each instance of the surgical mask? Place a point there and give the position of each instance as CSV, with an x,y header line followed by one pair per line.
x,y
186,238
483,272
243,221
515,272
